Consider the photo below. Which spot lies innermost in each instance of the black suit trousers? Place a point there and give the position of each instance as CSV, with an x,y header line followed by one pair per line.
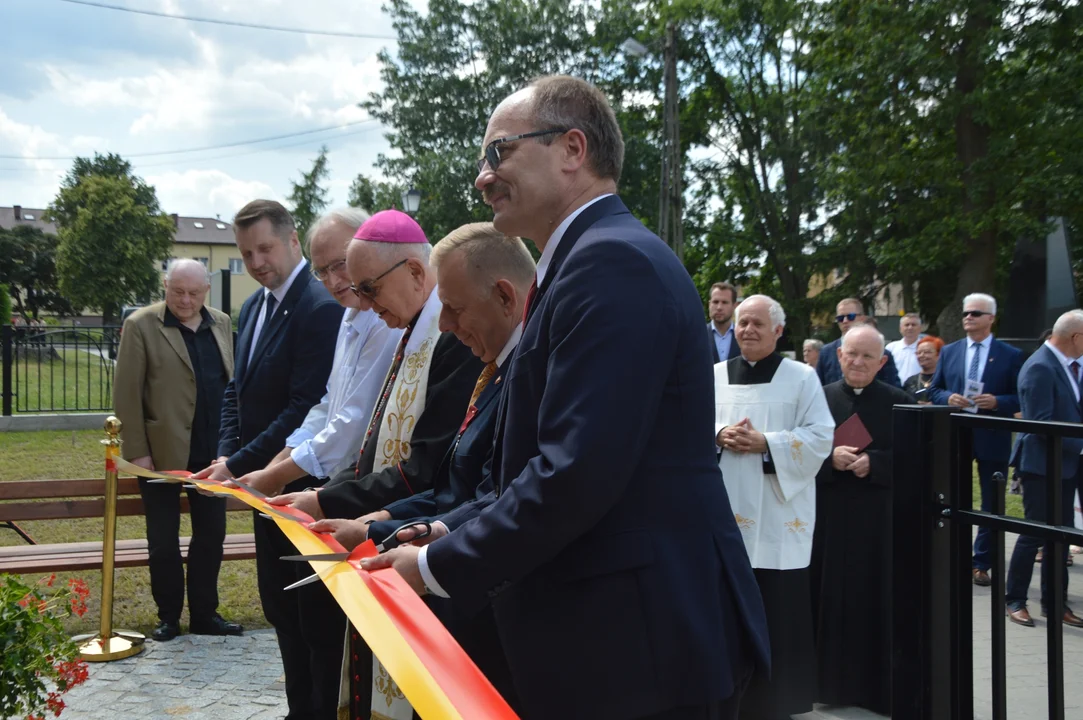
x,y
161,503
310,626
1021,565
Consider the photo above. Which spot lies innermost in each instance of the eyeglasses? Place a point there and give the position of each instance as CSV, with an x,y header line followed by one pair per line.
x,y
492,152
848,316
975,313
366,287
327,271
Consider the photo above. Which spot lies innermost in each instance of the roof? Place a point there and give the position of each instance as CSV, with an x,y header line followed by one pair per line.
x,y
190,230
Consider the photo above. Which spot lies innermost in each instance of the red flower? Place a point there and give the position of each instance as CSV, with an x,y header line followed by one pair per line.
x,y
49,580
55,704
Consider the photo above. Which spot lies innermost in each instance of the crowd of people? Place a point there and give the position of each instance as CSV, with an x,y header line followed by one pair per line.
x,y
598,546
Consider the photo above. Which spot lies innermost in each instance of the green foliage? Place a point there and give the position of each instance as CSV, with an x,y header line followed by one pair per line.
x,y
112,236
36,649
28,267
308,197
373,196
5,305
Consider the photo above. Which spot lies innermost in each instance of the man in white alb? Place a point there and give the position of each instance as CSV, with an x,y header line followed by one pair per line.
x,y
775,430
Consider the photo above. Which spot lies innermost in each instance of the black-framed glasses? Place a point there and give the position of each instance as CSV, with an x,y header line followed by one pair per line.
x,y
975,313
327,271
492,150
366,287
848,316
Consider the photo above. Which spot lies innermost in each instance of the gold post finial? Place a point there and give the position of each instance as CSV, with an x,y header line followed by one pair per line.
x,y
112,426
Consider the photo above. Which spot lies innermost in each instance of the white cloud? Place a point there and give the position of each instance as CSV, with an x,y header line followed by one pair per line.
x,y
206,192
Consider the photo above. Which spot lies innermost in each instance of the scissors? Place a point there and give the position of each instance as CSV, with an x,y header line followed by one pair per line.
x,y
390,543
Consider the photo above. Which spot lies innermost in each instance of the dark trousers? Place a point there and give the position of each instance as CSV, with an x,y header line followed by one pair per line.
x,y
310,626
1021,567
161,503
983,543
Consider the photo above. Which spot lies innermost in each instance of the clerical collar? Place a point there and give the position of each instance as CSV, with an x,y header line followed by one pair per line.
x,y
558,234
852,389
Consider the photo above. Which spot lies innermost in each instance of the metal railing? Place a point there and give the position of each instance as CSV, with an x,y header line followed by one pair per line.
x,y
933,517
65,368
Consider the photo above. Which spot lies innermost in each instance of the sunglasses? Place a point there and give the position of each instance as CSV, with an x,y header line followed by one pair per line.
x,y
323,273
848,316
975,313
366,287
492,150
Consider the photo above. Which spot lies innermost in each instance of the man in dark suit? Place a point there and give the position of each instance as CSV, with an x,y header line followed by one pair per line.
x,y
850,311
483,277
285,347
981,358
723,343
1049,386
611,558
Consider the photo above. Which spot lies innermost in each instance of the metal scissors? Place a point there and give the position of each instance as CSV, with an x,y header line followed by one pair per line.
x,y
390,543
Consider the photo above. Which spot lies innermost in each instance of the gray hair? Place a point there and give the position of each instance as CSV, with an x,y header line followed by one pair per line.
x,y
813,343
774,310
865,326
182,263
987,300
392,252
561,101
350,217
1068,323
489,254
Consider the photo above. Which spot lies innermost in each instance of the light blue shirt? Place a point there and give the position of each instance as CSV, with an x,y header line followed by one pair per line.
x,y
983,359
722,342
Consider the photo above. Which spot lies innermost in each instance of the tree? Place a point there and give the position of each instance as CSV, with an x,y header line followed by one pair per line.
x,y
112,236
372,197
308,197
28,267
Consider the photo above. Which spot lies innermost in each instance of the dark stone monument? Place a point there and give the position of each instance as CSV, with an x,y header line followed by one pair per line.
x,y
1041,288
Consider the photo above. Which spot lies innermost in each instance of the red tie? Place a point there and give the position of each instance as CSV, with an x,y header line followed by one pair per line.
x,y
530,298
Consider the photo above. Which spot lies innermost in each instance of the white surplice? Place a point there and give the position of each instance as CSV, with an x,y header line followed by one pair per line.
x,y
776,512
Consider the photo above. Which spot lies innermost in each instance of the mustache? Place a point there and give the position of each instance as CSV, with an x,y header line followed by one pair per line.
x,y
496,188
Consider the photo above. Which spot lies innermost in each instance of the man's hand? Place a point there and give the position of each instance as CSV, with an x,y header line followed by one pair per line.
x,y
860,466
144,462
378,516
306,502
843,457
260,480
957,400
348,533
404,560
407,534
217,470
985,401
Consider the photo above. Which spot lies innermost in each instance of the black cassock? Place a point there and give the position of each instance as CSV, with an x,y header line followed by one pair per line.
x,y
851,558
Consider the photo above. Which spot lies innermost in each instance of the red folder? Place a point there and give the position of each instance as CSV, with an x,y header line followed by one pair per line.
x,y
853,433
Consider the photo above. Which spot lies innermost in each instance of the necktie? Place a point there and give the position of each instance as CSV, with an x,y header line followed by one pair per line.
x,y
972,374
272,303
1074,367
530,298
483,381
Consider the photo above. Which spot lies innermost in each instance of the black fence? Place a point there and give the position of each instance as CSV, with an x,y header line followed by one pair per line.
x,y
933,654
58,368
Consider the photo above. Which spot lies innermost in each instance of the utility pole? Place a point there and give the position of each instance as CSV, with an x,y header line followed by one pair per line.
x,y
670,225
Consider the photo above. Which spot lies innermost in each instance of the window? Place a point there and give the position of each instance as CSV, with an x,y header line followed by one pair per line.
x,y
28,216
198,225
221,226
165,263
206,261
236,266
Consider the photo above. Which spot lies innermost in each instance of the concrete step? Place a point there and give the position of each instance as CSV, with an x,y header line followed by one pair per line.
x,y
834,712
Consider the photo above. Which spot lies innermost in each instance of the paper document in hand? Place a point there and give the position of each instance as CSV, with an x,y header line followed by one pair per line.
x,y
853,433
973,389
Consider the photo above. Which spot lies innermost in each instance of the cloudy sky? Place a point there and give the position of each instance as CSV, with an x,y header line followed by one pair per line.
x,y
79,79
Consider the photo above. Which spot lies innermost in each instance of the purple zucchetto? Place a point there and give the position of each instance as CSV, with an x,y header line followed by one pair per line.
x,y
391,226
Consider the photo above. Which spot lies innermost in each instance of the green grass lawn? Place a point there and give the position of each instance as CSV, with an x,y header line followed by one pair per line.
x,y
41,455
74,381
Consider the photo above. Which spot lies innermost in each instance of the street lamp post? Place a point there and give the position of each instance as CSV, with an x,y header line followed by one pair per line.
x,y
411,201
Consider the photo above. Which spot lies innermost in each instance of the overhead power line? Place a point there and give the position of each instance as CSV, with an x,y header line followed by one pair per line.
x,y
200,149
233,23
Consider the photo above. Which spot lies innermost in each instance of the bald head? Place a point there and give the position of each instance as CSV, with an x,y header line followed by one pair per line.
x,y
861,355
1067,335
188,268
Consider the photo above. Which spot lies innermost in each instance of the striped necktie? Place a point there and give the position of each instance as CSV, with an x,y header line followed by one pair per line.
x,y
972,374
483,381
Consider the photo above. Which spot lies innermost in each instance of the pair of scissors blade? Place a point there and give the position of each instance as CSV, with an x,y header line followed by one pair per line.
x,y
304,581
326,557
392,541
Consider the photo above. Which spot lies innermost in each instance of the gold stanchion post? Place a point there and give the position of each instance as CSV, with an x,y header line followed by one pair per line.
x,y
110,644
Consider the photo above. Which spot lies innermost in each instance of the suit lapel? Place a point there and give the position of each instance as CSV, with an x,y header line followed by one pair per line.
x,y
222,337
244,341
279,320
173,337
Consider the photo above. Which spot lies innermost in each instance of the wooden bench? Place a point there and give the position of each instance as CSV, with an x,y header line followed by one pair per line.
x,y
23,500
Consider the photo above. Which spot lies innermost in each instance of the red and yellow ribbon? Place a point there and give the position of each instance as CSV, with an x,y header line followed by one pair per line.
x,y
432,670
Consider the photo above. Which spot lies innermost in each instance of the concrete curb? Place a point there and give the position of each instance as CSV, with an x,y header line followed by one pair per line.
x,y
53,421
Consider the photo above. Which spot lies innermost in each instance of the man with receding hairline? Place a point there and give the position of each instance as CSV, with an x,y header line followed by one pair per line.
x,y
850,311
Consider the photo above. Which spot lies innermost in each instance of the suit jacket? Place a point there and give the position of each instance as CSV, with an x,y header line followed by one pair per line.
x,y
154,386
999,377
735,350
1046,393
612,535
829,370
268,398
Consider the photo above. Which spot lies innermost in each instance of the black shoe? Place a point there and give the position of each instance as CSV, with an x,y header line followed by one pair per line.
x,y
216,625
165,631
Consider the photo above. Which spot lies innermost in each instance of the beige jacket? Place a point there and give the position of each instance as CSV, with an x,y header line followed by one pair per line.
x,y
154,388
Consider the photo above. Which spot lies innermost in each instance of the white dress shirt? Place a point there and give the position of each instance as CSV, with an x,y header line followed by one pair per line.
x,y
1065,362
333,431
983,359
558,235
280,295
906,358
422,558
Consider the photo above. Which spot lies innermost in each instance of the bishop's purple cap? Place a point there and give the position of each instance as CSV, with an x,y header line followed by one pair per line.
x,y
391,226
